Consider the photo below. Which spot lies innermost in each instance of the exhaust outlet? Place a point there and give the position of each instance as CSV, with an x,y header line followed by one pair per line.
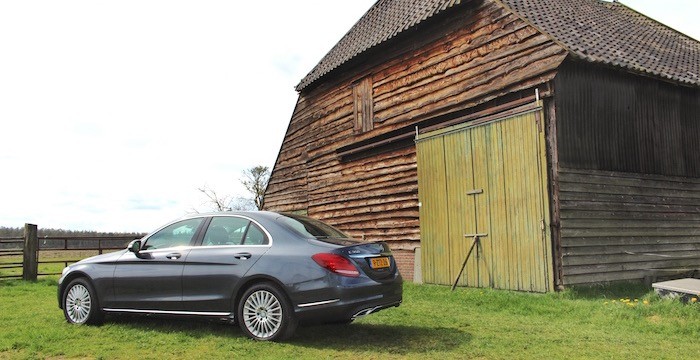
x,y
365,312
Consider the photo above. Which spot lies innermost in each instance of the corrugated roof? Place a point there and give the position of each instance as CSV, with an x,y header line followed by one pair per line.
x,y
594,30
384,20
611,33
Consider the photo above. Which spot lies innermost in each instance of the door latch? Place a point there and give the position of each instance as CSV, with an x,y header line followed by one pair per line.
x,y
242,256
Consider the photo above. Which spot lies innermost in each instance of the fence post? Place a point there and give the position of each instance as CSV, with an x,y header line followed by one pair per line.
x,y
30,266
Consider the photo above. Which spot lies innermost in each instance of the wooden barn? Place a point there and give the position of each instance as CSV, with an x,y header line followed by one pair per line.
x,y
566,133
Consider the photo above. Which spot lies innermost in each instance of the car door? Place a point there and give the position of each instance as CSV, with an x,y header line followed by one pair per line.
x,y
152,279
229,248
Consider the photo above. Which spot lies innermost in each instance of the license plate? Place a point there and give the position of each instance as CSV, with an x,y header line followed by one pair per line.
x,y
379,262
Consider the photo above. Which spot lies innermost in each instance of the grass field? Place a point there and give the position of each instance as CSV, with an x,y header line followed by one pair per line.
x,y
586,323
46,255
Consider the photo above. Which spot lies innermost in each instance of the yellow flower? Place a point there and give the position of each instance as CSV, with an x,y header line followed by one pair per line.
x,y
694,299
646,302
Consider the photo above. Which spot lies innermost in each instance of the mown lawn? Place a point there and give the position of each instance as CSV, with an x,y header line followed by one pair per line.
x,y
69,256
586,323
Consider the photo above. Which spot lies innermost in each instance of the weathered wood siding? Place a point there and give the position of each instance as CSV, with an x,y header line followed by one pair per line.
x,y
612,120
623,226
628,174
487,53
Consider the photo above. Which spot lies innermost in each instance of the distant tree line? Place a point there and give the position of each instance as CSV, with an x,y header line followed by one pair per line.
x,y
254,180
50,232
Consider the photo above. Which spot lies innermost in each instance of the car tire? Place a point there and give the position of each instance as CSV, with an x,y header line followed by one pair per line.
x,y
80,303
265,314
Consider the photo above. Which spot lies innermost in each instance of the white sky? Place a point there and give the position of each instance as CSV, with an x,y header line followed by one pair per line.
x,y
113,113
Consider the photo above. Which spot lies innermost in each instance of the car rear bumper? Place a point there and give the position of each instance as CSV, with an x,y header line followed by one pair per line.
x,y
344,303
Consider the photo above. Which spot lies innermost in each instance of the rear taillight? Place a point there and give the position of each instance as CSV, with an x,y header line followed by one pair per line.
x,y
337,264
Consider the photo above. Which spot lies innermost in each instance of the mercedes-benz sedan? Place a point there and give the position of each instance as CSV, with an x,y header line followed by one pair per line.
x,y
264,270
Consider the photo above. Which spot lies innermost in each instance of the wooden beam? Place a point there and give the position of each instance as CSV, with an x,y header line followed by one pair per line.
x,y
31,246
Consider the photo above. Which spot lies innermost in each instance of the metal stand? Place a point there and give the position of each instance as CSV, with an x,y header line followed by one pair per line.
x,y
476,238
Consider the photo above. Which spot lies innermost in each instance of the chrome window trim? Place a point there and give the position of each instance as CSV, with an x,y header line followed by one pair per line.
x,y
227,246
170,249
191,247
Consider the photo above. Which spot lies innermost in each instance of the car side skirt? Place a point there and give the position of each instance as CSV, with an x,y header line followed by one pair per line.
x,y
166,312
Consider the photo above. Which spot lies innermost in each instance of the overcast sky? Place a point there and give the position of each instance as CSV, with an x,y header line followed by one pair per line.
x,y
113,113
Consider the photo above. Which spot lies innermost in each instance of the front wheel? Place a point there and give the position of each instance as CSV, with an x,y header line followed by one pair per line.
x,y
80,305
265,314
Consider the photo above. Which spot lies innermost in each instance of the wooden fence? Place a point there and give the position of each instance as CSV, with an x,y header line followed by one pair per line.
x,y
30,247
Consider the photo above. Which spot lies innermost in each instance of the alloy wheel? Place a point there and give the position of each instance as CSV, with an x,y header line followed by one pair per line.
x,y
262,314
78,304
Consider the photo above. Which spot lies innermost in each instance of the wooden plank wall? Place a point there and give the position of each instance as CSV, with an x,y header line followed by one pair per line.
x,y
622,226
613,120
491,53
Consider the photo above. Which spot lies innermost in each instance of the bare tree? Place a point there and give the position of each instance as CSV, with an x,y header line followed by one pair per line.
x,y
255,181
242,204
216,201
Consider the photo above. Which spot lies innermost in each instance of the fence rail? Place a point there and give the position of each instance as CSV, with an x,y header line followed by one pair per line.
x,y
11,251
30,247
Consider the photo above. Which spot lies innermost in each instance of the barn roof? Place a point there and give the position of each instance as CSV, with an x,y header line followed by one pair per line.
x,y
613,34
384,20
594,30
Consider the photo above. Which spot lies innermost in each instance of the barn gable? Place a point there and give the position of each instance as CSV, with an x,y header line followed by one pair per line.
x,y
419,67
322,153
594,30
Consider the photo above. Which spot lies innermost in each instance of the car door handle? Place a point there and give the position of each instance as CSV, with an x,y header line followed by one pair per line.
x,y
173,256
242,256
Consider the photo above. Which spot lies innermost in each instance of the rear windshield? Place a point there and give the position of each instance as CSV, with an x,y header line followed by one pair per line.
x,y
310,228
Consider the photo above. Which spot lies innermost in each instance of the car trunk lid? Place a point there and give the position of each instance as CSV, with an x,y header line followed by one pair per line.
x,y
374,259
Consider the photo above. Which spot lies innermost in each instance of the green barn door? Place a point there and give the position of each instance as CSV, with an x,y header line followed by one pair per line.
x,y
487,179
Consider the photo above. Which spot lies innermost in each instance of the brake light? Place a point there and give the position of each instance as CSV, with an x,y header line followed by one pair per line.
x,y
337,264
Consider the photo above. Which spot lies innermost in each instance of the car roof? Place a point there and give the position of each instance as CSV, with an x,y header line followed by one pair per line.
x,y
256,215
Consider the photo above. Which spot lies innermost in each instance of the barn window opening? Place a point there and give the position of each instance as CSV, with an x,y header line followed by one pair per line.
x,y
363,105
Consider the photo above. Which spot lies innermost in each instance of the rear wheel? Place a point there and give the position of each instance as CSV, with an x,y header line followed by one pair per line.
x,y
80,304
264,313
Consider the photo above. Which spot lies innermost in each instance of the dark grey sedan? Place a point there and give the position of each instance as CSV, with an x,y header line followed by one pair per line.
x,y
265,270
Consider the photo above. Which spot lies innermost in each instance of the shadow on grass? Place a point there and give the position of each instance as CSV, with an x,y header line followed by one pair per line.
x,y
191,327
610,291
394,339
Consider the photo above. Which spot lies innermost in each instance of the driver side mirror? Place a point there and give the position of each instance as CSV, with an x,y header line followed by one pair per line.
x,y
135,246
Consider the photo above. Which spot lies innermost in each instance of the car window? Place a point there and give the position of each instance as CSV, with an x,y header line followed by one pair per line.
x,y
255,236
225,230
177,234
310,228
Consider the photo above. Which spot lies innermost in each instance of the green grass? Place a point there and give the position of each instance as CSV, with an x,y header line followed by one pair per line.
x,y
433,322
70,256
